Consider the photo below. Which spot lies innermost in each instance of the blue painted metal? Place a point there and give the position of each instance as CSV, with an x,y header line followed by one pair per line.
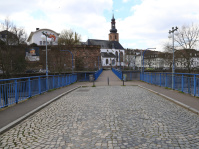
x,y
39,84
118,73
182,83
98,73
194,85
17,89
29,83
160,78
185,82
16,95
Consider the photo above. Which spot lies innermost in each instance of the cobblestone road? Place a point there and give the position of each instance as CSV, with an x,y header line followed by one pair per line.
x,y
107,117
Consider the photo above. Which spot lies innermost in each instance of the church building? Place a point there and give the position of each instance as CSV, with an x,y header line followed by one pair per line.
x,y
112,52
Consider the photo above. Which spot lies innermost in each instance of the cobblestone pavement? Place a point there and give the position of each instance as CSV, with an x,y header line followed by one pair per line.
x,y
107,117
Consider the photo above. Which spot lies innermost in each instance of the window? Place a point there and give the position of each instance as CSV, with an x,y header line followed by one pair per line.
x,y
113,62
106,61
121,57
116,54
40,42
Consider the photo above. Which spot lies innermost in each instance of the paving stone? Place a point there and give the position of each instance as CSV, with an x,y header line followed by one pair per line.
x,y
107,117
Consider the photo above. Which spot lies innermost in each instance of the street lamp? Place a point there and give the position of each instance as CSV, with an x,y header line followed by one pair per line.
x,y
143,62
172,36
44,37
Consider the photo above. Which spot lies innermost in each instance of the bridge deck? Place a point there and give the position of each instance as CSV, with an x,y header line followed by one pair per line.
x,y
112,116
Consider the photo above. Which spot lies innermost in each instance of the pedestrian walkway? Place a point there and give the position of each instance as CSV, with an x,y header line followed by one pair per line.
x,y
107,98
12,113
107,117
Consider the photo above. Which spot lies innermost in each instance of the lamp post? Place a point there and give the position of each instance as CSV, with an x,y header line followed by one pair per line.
x,y
172,36
44,37
143,61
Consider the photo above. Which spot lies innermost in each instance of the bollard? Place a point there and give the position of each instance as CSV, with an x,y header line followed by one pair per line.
x,y
108,80
93,82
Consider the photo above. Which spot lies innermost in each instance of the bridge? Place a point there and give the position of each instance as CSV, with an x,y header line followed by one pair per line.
x,y
107,113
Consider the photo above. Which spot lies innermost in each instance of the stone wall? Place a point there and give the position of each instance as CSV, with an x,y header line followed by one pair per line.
x,y
60,59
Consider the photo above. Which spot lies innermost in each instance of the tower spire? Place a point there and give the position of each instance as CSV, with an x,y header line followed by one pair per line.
x,y
113,35
113,29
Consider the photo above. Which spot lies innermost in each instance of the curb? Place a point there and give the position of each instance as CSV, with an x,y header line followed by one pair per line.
x,y
173,100
17,121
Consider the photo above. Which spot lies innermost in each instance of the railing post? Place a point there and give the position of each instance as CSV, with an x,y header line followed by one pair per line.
x,y
29,87
53,81
58,82
69,79
189,91
166,80
194,85
160,79
85,76
66,79
174,79
16,92
46,83
62,81
39,85
182,83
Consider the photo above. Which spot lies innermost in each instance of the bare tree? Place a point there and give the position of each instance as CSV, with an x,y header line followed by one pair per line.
x,y
12,58
13,35
187,39
69,38
6,28
20,34
188,36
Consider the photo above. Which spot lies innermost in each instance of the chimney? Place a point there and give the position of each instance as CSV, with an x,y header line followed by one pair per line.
x,y
37,29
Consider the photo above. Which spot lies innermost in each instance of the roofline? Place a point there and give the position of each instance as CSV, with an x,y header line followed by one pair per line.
x,y
31,34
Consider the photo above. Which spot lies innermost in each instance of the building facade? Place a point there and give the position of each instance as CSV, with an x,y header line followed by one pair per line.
x,y
112,52
35,37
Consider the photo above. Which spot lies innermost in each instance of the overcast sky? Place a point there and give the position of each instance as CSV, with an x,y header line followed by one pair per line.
x,y
140,23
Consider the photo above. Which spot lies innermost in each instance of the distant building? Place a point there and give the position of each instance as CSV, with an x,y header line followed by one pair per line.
x,y
112,52
35,37
8,38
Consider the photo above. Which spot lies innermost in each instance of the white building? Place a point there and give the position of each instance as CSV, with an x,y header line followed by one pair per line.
x,y
112,52
35,37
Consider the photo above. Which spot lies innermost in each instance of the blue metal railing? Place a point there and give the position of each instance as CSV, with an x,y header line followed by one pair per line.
x,y
18,89
84,76
97,73
118,73
185,82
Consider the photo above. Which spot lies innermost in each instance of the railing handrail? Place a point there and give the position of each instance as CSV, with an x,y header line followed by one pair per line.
x,y
12,92
184,82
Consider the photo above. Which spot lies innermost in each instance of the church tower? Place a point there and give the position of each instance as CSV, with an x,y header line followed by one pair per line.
x,y
113,35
